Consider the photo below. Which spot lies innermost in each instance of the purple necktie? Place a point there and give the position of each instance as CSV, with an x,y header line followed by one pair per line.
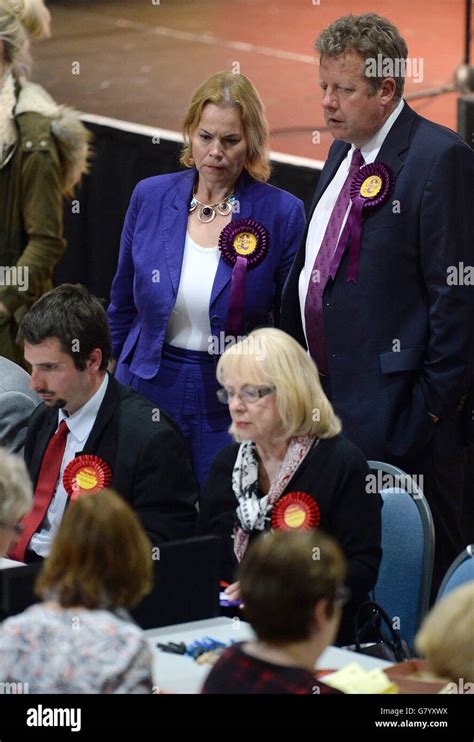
x,y
313,310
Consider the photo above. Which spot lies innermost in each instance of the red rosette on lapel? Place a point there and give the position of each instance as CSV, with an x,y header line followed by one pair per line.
x,y
296,511
243,243
86,475
370,188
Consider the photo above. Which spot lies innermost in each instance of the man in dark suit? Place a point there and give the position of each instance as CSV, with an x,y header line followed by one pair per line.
x,y
93,430
392,326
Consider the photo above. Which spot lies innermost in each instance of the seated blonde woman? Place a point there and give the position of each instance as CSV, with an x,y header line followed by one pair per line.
x,y
80,639
292,588
16,497
290,467
446,637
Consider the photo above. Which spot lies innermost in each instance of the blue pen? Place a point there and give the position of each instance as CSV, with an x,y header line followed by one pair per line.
x,y
215,642
192,647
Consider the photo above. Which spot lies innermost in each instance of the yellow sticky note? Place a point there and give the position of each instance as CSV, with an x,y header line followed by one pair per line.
x,y
354,679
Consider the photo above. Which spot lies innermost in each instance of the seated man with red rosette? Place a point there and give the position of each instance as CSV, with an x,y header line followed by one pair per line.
x,y
92,432
290,468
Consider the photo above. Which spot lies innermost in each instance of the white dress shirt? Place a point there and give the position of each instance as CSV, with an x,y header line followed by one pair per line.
x,y
189,326
80,425
322,212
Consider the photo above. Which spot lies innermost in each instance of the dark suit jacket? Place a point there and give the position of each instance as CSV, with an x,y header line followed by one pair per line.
x,y
148,458
151,254
400,340
334,473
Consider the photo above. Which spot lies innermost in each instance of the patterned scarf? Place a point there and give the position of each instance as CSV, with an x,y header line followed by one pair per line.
x,y
253,511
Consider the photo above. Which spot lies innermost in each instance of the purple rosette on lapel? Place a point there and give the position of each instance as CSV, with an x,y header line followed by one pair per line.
x,y
243,244
370,188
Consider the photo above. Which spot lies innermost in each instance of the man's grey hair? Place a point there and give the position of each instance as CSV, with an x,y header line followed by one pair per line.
x,y
368,35
16,491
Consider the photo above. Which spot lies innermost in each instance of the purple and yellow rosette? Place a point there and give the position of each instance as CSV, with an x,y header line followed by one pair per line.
x,y
370,188
86,475
296,511
243,243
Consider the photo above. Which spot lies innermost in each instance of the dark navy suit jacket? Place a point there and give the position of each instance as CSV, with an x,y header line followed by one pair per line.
x,y
400,340
146,284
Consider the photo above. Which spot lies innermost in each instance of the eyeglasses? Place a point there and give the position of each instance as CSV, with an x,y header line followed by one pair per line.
x,y
17,529
249,395
342,595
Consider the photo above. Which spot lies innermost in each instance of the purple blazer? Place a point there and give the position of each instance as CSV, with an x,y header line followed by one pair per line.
x,y
146,284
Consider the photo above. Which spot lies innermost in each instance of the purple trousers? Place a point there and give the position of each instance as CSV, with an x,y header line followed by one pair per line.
x,y
185,388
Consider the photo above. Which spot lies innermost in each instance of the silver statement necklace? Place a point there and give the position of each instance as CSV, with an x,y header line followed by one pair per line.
x,y
207,212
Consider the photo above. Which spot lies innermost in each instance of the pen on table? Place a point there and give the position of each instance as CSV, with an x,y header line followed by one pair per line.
x,y
214,642
171,648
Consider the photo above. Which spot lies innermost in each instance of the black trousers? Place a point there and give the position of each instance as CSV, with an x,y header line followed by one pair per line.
x,y
468,505
441,469
443,466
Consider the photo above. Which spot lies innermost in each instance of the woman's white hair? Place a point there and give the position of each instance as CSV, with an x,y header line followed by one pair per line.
x,y
16,491
20,21
271,357
446,637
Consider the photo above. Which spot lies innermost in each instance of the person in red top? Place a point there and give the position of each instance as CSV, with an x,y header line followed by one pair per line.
x,y
292,591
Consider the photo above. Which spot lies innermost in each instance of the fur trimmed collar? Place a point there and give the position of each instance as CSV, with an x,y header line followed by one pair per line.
x,y
71,136
34,98
7,125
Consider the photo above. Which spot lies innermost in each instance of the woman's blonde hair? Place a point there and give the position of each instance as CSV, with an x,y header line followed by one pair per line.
x,y
16,490
446,637
100,558
20,21
271,357
235,90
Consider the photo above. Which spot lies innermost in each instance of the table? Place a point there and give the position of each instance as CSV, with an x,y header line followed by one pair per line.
x,y
181,674
6,563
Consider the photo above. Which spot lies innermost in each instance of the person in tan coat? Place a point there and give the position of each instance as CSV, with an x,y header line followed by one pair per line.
x,y
43,153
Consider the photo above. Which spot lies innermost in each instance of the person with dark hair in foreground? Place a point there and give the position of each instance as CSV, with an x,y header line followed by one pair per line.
x,y
80,639
292,590
92,432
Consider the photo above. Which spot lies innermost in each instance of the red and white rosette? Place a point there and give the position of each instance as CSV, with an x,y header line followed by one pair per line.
x,y
86,475
296,511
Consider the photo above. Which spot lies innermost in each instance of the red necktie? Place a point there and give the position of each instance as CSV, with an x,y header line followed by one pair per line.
x,y
45,489
313,310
